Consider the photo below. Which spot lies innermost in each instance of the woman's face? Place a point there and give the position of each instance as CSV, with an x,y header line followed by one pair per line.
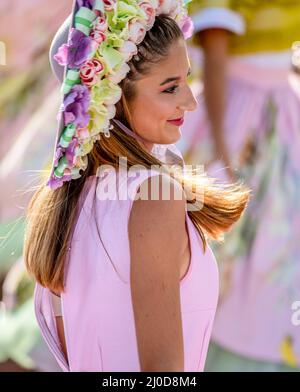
x,y
161,96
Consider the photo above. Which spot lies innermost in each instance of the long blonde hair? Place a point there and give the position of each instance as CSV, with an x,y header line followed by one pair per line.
x,y
51,214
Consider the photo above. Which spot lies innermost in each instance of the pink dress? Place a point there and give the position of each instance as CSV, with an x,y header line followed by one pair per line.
x,y
96,305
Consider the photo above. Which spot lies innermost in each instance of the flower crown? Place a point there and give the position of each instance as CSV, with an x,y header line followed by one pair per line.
x,y
103,38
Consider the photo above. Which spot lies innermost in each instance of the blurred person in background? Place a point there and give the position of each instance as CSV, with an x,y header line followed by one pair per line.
x,y
247,126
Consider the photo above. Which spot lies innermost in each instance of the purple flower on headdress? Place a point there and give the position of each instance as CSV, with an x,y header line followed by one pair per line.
x,y
58,155
62,55
70,152
76,52
85,3
79,49
76,105
55,182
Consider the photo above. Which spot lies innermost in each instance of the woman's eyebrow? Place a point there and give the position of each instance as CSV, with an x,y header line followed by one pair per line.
x,y
174,78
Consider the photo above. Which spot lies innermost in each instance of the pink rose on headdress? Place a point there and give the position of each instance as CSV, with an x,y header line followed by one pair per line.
x,y
99,29
89,72
149,11
109,5
98,36
100,24
137,31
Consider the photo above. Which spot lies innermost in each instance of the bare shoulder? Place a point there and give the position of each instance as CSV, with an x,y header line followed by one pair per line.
x,y
157,236
160,208
161,190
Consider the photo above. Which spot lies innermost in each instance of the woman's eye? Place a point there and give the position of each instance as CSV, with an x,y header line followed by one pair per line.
x,y
171,90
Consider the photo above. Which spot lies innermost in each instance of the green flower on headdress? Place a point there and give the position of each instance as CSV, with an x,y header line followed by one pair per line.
x,y
115,40
98,118
106,92
112,57
125,10
85,147
103,94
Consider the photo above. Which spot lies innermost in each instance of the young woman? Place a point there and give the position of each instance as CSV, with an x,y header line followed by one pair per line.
x,y
137,281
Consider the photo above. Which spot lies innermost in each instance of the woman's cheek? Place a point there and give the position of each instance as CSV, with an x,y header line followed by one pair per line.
x,y
164,109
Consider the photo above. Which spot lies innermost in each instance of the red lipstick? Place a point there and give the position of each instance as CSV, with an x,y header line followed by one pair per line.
x,y
178,122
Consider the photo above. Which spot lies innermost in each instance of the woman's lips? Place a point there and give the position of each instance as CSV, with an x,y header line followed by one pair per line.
x,y
177,122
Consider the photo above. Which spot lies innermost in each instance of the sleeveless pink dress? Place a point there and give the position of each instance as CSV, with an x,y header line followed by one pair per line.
x,y
96,305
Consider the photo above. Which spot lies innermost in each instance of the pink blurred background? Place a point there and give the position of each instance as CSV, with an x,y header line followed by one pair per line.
x,y
29,100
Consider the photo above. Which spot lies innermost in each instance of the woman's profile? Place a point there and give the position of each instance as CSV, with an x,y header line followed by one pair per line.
x,y
130,261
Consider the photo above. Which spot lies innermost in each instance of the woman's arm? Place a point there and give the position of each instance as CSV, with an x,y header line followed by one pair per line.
x,y
157,236
215,44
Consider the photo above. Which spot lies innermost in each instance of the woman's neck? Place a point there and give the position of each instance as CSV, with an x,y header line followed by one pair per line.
x,y
148,146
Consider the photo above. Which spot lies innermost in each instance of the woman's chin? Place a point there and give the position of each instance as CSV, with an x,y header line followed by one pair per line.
x,y
172,135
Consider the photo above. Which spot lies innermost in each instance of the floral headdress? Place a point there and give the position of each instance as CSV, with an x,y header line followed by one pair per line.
x,y
103,37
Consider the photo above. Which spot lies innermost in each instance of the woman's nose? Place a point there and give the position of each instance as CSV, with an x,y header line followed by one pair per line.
x,y
189,102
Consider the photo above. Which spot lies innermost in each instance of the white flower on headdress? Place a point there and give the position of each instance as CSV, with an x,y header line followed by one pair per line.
x,y
149,8
128,50
81,163
111,110
119,75
137,31
168,7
